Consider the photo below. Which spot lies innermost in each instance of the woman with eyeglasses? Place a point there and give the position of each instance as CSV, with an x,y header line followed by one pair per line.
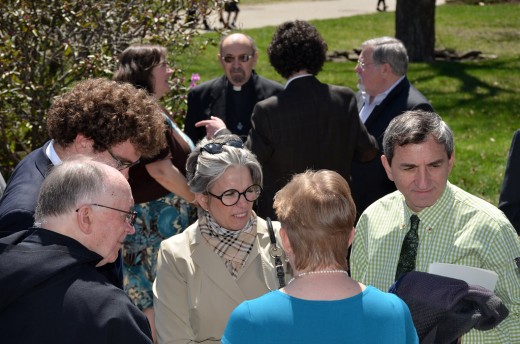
x,y
159,185
223,258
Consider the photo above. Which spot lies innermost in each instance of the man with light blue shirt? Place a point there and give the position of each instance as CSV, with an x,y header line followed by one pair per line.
x,y
384,93
454,226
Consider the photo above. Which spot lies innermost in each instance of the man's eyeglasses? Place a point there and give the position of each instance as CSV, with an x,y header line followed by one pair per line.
x,y
130,217
363,65
216,148
231,197
240,58
121,165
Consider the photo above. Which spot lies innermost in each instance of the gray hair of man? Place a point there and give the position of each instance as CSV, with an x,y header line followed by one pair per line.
x,y
414,127
67,186
389,50
203,169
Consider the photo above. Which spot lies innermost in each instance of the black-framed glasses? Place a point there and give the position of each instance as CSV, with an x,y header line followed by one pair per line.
x,y
130,217
121,165
216,148
231,197
241,58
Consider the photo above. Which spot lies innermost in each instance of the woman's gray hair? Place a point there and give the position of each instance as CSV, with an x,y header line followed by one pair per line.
x,y
203,169
389,50
68,186
414,127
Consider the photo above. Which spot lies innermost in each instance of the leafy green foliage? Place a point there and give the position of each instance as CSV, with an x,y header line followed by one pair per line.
x,y
49,45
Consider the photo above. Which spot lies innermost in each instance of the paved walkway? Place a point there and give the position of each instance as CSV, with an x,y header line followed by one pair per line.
x,y
273,14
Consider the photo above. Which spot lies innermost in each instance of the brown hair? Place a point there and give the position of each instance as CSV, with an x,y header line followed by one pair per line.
x,y
136,64
108,113
318,213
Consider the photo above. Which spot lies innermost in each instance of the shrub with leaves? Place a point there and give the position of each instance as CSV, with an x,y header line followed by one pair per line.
x,y
49,45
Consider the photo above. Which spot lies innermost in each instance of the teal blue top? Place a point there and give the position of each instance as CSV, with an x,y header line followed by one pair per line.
x,y
372,316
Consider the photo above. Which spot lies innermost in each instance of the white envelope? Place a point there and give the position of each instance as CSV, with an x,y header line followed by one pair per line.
x,y
471,275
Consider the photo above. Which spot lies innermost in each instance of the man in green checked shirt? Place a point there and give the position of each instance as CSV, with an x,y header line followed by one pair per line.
x,y
454,226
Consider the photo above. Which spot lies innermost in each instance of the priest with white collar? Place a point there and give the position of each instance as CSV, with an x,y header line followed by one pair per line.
x,y
229,99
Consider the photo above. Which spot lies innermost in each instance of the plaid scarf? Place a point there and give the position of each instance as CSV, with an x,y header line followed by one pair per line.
x,y
232,246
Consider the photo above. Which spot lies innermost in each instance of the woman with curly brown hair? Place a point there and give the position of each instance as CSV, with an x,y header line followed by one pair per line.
x,y
159,186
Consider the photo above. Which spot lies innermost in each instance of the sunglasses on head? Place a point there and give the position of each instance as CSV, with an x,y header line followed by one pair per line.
x,y
216,148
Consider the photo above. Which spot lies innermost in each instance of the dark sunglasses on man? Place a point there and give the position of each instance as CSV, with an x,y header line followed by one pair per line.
x,y
241,58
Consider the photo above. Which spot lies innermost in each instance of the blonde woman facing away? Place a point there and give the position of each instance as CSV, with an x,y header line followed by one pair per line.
x,y
321,304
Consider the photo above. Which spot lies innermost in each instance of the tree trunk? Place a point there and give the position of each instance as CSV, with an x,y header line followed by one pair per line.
x,y
415,27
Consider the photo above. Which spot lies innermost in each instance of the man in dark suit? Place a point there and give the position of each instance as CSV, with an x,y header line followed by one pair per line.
x,y
509,201
113,123
50,291
229,98
385,93
309,125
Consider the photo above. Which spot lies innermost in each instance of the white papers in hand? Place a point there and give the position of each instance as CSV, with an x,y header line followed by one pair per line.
x,y
471,275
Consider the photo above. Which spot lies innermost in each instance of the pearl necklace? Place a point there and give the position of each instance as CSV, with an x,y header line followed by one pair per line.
x,y
316,273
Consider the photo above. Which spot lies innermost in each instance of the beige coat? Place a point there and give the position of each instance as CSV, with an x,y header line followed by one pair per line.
x,y
194,293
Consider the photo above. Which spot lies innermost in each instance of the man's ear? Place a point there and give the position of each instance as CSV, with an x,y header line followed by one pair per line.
x,y
221,61
386,69
255,59
451,160
386,165
82,144
84,219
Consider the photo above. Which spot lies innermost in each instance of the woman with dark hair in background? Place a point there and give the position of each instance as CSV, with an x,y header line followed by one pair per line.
x,y
158,184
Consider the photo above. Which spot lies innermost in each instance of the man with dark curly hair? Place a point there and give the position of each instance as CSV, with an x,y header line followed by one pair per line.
x,y
309,125
111,122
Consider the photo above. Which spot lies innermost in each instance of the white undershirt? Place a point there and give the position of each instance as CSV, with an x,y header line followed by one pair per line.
x,y
296,77
367,108
52,155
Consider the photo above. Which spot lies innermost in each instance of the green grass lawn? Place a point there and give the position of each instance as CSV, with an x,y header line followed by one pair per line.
x,y
480,100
